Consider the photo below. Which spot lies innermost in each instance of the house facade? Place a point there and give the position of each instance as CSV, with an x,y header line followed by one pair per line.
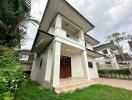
x,y
62,47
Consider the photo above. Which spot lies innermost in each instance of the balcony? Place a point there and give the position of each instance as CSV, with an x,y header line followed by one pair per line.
x,y
70,37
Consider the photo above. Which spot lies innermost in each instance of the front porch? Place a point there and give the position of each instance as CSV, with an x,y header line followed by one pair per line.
x,y
66,68
71,84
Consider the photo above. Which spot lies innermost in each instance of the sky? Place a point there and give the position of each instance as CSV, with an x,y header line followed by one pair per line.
x,y
108,16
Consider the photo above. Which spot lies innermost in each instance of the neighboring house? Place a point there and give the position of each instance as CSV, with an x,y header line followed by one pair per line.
x,y
109,61
124,60
26,59
59,46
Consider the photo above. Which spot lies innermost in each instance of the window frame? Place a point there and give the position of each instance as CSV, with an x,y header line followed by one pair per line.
x,y
90,66
105,52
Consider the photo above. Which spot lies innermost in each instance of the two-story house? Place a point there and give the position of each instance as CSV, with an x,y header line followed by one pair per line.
x,y
63,49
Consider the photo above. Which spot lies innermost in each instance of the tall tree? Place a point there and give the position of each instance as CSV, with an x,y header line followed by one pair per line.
x,y
116,39
14,14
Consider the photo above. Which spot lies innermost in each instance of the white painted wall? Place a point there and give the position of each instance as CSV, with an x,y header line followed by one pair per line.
x,y
93,71
76,66
49,64
38,73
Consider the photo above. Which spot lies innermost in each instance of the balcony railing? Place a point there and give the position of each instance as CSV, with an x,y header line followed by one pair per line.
x,y
68,37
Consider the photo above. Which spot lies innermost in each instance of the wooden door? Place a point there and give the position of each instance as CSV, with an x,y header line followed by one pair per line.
x,y
65,67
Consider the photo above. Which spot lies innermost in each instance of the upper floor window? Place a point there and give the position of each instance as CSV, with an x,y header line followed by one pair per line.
x,y
90,64
105,52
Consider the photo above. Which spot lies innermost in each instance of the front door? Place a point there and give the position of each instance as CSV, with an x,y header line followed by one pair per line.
x,y
65,67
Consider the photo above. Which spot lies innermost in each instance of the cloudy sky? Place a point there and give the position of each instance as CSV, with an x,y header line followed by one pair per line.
x,y
107,16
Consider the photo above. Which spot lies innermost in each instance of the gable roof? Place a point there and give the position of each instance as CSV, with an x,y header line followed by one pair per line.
x,y
62,7
91,40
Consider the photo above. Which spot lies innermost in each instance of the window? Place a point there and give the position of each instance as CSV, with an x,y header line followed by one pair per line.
x,y
90,64
41,61
105,52
67,35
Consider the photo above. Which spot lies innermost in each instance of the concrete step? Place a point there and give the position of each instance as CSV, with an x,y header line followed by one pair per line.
x,y
72,86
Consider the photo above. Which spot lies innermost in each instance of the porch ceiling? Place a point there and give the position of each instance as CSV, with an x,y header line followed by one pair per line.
x,y
69,50
42,40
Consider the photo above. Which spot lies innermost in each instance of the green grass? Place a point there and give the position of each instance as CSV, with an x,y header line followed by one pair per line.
x,y
33,91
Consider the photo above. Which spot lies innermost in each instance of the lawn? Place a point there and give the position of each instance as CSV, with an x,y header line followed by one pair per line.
x,y
33,91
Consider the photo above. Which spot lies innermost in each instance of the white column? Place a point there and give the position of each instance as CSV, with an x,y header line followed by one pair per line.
x,y
55,71
58,25
85,65
82,40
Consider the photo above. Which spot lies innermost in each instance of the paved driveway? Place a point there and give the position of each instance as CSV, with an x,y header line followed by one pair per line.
x,y
126,84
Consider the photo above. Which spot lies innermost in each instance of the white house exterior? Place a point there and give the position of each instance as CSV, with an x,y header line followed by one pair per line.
x,y
109,61
60,46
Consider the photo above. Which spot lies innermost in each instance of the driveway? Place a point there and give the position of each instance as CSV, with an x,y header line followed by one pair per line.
x,y
125,84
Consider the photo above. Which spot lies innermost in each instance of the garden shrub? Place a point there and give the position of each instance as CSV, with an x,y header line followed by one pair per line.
x,y
7,56
115,71
11,73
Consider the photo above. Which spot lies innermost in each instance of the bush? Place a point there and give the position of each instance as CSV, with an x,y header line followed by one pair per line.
x,y
7,56
11,73
112,71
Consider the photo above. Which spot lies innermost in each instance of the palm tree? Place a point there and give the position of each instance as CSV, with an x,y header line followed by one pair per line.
x,y
14,14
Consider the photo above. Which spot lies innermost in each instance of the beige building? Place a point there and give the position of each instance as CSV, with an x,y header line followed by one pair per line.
x,y
62,48
109,61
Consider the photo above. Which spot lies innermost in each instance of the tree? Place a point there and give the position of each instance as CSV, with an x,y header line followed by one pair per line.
x,y
116,39
14,15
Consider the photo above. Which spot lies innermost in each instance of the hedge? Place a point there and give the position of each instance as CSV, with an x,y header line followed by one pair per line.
x,y
115,71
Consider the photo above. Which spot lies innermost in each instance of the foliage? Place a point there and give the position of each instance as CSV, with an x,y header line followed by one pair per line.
x,y
11,74
7,56
14,15
117,38
33,91
115,71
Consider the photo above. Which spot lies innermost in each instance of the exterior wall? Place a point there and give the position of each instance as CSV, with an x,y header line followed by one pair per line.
x,y
49,64
76,66
93,71
38,73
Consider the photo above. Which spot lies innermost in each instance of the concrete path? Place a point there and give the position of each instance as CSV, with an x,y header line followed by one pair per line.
x,y
126,84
